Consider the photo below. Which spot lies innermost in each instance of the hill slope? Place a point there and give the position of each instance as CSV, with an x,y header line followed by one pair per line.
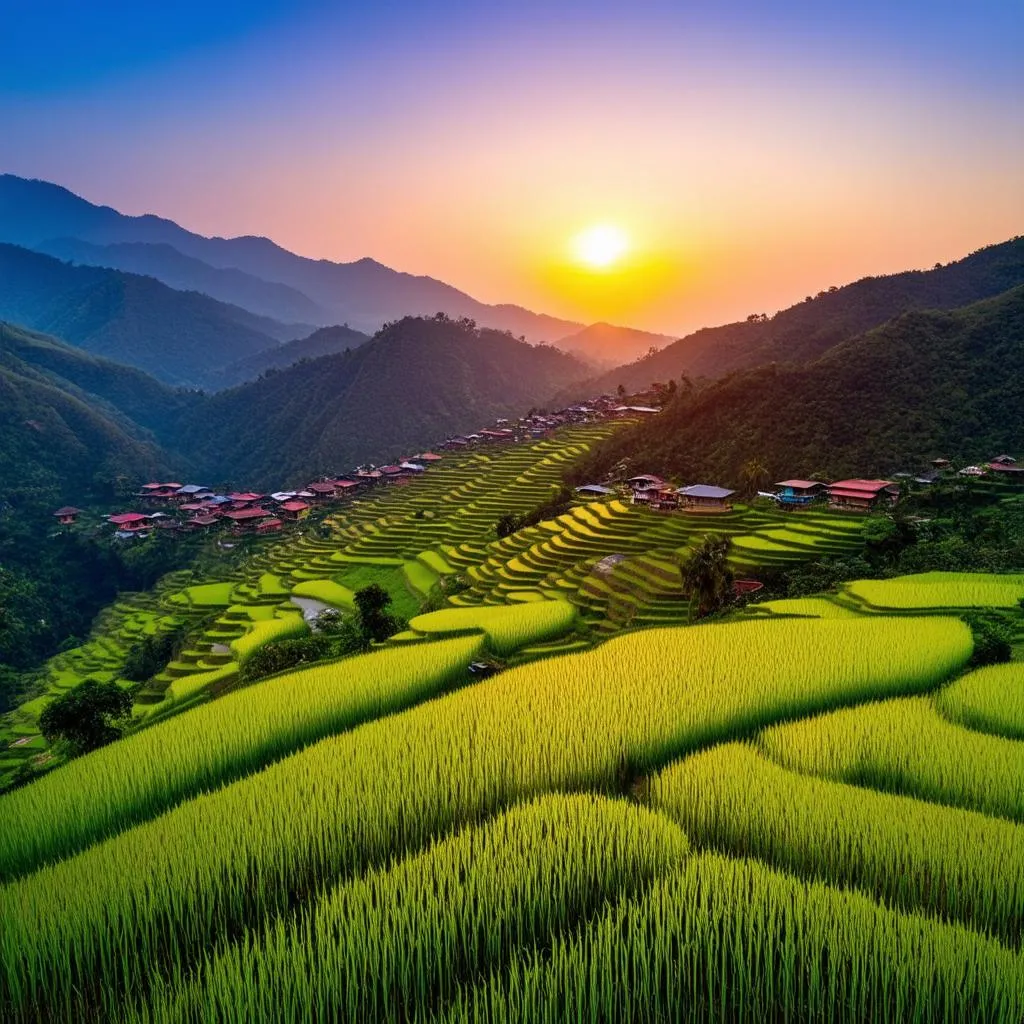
x,y
805,331
416,381
179,337
363,293
185,273
926,384
608,344
324,342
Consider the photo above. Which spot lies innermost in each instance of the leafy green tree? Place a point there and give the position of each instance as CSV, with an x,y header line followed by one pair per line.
x,y
707,577
507,524
375,621
753,475
88,716
993,640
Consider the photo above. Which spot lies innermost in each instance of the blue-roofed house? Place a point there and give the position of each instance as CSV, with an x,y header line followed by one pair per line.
x,y
705,498
594,491
799,493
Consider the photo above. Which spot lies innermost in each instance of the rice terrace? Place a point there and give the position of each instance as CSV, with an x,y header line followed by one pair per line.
x,y
511,513
808,809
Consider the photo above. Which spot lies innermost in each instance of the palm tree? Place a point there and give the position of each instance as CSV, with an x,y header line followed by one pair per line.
x,y
707,578
753,475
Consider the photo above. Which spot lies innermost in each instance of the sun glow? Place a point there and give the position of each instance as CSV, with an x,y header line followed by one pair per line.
x,y
600,246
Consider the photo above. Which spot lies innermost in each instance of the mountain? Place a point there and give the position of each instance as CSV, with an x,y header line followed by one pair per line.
x,y
608,344
927,384
58,441
808,329
179,337
324,342
364,293
418,380
184,273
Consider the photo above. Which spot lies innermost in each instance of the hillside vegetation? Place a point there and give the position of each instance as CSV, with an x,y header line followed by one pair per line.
x,y
417,381
324,342
927,384
179,337
807,330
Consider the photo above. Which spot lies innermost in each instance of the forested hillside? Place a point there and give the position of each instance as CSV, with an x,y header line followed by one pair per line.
x,y
165,263
926,384
179,337
418,380
324,342
805,331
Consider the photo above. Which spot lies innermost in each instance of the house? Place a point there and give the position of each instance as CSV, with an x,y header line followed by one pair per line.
x,y
203,522
240,499
594,491
324,491
861,495
428,457
247,518
347,486
192,491
705,498
130,522
665,498
928,479
940,464
644,487
1007,470
799,493
971,471
1003,460
269,526
392,474
159,492
294,510
67,515
412,467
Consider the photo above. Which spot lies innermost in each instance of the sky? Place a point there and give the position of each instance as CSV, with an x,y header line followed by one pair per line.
x,y
745,154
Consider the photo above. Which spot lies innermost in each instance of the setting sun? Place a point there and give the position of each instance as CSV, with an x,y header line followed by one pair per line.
x,y
600,246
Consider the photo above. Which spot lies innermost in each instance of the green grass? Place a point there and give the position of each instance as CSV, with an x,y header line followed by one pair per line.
x,y
392,578
209,595
991,699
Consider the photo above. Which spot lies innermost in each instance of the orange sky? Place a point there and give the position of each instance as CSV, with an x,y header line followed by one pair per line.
x,y
752,159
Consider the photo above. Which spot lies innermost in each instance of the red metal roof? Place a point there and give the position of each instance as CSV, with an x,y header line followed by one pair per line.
x,y
207,520
429,457
247,496
346,483
247,513
67,510
840,492
294,506
127,517
391,470
321,488
270,524
861,486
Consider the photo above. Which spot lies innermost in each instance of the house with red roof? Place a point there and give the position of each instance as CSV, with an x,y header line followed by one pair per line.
x,y
861,495
294,509
130,522
1007,467
324,490
67,515
799,493
247,518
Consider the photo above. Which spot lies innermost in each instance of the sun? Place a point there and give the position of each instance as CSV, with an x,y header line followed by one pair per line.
x,y
600,246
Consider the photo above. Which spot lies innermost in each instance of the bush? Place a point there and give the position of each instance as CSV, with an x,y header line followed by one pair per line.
x,y
88,716
993,640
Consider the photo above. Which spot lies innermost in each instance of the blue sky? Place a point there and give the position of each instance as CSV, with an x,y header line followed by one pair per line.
x,y
470,140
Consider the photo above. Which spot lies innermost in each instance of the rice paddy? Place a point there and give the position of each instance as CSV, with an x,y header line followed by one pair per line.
x,y
811,812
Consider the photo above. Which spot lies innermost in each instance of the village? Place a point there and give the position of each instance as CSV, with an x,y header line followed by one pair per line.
x,y
195,508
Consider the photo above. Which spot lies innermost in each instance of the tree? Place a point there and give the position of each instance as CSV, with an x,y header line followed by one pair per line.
x,y
507,524
753,476
621,391
707,578
374,620
89,716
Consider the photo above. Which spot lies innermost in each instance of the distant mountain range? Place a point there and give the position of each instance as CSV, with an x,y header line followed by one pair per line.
x,y
181,338
807,330
927,384
260,276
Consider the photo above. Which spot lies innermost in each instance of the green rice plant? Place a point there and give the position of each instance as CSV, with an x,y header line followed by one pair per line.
x,y
186,687
262,633
729,940
906,746
144,774
990,700
327,591
810,607
396,942
210,595
917,855
507,628
939,591
77,935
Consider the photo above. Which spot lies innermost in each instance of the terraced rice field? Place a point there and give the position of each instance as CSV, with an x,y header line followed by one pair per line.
x,y
569,839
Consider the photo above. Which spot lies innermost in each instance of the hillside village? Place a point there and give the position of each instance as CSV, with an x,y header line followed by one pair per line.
x,y
195,508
